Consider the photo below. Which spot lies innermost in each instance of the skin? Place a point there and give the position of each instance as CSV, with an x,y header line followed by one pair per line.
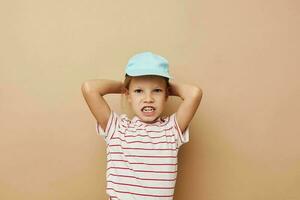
x,y
147,91
94,90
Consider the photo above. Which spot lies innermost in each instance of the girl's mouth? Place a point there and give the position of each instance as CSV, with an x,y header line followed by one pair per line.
x,y
148,110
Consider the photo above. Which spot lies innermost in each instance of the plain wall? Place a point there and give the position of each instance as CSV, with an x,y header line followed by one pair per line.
x,y
244,139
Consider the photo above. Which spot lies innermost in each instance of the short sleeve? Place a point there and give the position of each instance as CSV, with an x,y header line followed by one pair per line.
x,y
111,127
181,137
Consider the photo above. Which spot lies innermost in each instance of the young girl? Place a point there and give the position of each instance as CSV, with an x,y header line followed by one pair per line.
x,y
142,151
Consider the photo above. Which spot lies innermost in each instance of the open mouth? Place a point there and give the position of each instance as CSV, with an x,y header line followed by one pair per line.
x,y
148,109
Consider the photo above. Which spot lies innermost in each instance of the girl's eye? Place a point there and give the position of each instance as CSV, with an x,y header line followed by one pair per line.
x,y
138,91
158,90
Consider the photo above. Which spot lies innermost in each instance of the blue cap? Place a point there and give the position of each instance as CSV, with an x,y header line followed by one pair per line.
x,y
148,63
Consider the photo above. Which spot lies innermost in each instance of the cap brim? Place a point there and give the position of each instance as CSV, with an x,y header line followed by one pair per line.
x,y
145,74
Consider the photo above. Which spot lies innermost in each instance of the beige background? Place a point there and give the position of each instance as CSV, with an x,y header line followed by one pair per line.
x,y
244,142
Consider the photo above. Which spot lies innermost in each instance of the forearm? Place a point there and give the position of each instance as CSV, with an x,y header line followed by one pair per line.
x,y
103,86
185,91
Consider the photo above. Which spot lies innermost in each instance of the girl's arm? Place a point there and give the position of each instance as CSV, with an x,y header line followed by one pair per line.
x,y
191,96
93,92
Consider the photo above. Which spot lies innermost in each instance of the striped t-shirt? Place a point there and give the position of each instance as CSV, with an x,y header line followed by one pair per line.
x,y
141,157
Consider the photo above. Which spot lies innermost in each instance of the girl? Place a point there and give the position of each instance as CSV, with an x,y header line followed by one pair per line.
x,y
142,151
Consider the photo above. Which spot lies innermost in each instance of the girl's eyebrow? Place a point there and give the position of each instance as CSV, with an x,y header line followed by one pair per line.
x,y
140,87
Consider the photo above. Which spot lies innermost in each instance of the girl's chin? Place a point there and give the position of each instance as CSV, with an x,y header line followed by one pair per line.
x,y
148,114
149,119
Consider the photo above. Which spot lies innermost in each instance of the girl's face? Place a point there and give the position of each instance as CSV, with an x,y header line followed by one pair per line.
x,y
147,96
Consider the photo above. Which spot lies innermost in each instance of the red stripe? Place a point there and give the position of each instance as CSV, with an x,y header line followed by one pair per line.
x,y
111,120
139,163
163,188
142,156
114,129
149,195
115,145
151,156
145,179
146,135
132,132
178,130
167,172
142,141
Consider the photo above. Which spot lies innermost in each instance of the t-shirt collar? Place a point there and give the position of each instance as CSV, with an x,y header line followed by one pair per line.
x,y
138,120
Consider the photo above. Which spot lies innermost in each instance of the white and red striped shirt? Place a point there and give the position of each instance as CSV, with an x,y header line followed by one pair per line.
x,y
141,157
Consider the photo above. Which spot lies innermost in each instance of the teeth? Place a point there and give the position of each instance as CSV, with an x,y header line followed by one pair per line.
x,y
148,109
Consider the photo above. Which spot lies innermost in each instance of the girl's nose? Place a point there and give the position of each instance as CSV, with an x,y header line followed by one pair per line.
x,y
148,98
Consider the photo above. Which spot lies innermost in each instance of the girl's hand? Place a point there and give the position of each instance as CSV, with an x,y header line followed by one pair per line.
x,y
172,89
183,90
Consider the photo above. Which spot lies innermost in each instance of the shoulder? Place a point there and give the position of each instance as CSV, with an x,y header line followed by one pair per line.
x,y
120,117
167,120
170,121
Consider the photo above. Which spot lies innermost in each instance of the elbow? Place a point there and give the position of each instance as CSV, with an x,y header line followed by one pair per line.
x,y
85,87
197,93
